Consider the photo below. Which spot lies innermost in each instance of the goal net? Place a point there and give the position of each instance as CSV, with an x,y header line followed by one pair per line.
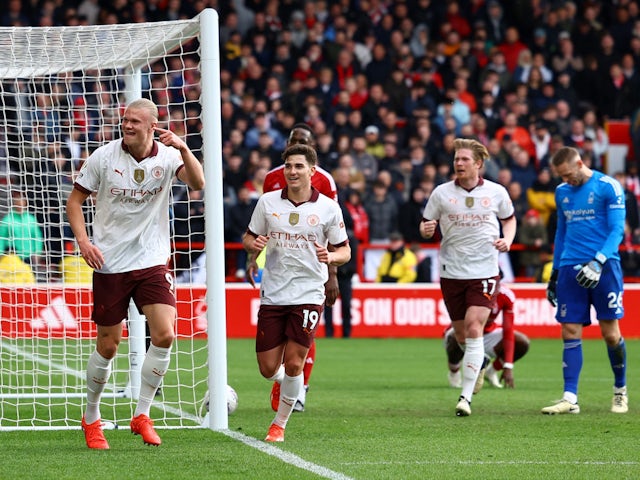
x,y
63,91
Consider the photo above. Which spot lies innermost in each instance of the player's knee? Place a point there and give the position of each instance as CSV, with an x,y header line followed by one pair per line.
x,y
163,339
612,339
107,349
522,345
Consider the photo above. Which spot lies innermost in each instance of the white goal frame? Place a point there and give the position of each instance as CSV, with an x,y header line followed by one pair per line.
x,y
53,50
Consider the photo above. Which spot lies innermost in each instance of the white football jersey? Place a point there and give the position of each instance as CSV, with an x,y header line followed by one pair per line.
x,y
131,222
469,225
292,273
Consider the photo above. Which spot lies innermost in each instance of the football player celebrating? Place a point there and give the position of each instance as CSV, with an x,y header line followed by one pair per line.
x,y
132,179
470,212
322,181
296,226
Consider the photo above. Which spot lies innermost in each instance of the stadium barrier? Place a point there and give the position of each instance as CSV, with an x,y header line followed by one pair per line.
x,y
378,311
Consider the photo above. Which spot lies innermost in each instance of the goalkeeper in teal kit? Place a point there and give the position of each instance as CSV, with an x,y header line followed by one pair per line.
x,y
587,272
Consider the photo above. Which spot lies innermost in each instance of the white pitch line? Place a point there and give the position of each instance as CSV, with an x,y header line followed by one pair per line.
x,y
286,457
496,462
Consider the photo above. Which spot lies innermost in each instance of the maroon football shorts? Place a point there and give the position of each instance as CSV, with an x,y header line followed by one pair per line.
x,y
112,292
279,323
461,294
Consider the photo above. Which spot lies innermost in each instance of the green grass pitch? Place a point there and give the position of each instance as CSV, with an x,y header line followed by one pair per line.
x,y
377,409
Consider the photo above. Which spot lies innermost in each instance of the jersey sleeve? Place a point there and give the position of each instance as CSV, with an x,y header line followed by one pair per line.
x,y
325,184
258,223
432,209
89,176
561,228
505,208
269,182
337,232
616,214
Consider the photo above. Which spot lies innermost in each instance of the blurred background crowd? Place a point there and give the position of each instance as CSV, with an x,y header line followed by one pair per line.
x,y
386,86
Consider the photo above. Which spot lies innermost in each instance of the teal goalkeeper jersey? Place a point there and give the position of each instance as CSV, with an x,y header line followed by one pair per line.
x,y
591,221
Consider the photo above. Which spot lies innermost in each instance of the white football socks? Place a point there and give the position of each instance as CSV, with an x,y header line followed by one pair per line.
x,y
153,370
471,365
278,376
289,388
98,373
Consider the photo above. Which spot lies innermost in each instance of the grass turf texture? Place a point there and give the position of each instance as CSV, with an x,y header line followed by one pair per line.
x,y
377,409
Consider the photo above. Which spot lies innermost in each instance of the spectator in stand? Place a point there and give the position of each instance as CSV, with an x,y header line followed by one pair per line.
x,y
518,198
262,124
357,212
347,169
565,58
556,144
20,233
236,221
532,233
374,145
511,47
255,184
345,278
410,215
523,169
631,203
379,69
594,129
363,161
13,270
398,263
188,228
564,90
453,107
517,133
541,138
495,22
382,211
265,148
541,194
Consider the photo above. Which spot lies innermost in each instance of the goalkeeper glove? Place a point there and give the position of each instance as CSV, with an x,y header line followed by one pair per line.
x,y
551,288
589,274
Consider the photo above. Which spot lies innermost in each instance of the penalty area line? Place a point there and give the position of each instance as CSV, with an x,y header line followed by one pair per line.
x,y
286,457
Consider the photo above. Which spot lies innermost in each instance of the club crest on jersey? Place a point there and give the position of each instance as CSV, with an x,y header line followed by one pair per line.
x,y
157,172
294,218
138,175
469,202
313,220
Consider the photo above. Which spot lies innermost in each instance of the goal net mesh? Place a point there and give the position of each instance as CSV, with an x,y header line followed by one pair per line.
x,y
63,91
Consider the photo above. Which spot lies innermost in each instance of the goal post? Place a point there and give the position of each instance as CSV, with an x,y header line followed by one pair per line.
x,y
63,92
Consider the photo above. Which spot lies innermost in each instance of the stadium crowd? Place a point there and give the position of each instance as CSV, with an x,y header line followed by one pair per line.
x,y
387,86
